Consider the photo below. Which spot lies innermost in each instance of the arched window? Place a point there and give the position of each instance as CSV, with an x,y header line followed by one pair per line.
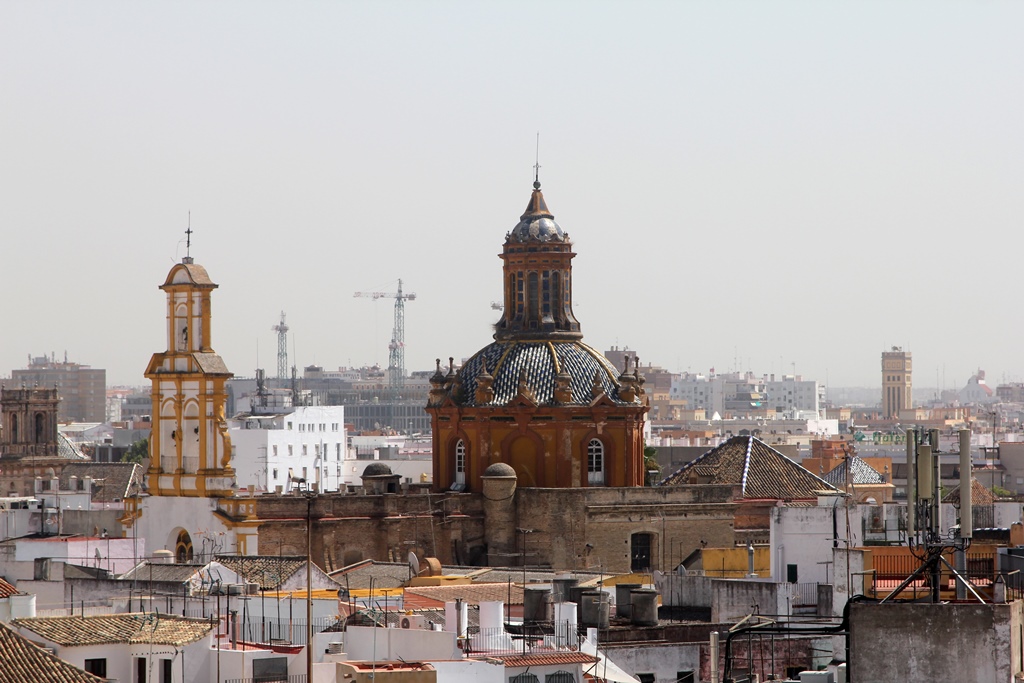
x,y
40,428
595,463
524,678
560,677
183,548
460,462
14,428
533,302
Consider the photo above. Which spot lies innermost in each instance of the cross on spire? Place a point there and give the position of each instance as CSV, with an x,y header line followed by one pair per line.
x,y
536,166
188,236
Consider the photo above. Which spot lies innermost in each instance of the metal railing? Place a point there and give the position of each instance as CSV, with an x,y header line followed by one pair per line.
x,y
540,638
294,678
805,594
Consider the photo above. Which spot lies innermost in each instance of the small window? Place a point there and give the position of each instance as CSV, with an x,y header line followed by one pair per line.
x,y
275,451
686,677
305,449
275,474
460,462
97,667
165,670
302,427
290,450
646,678
595,463
289,426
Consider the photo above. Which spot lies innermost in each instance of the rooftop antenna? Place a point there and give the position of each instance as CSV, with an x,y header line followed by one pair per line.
x,y
536,166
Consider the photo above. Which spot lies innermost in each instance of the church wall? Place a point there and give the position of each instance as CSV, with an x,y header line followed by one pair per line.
x,y
566,521
560,460
350,528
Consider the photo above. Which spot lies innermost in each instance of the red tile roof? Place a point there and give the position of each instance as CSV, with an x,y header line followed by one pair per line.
x,y
162,629
547,659
763,472
6,589
425,597
23,662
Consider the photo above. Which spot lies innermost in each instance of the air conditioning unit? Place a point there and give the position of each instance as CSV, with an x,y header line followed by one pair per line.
x,y
413,621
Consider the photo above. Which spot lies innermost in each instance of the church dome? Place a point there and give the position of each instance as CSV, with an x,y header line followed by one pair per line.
x,y
500,469
535,368
376,469
537,224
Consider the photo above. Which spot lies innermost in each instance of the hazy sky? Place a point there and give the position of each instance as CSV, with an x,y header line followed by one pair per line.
x,y
760,183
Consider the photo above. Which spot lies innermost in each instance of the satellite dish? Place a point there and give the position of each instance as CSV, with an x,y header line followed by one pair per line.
x,y
414,564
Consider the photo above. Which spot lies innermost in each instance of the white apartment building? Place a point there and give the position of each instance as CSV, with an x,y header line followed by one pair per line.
x,y
285,448
793,392
740,392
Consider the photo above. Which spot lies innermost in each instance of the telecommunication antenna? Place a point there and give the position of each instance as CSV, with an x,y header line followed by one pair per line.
x,y
282,348
925,536
396,349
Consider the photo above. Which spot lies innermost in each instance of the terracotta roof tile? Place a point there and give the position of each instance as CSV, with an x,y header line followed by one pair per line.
x,y
112,481
6,589
269,571
473,594
23,662
162,629
979,494
761,471
547,659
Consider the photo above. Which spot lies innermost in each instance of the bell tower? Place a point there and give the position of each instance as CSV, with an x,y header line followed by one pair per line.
x,y
190,450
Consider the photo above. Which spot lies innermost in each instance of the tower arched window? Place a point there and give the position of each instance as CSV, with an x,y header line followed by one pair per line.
x,y
14,428
595,463
40,428
460,462
533,300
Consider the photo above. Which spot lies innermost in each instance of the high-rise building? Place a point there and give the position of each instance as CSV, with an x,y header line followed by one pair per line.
x,y
896,382
82,389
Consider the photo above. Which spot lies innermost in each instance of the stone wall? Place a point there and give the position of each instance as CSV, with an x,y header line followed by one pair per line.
x,y
568,528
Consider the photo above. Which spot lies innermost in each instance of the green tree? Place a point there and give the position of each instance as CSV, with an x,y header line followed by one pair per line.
x,y
138,451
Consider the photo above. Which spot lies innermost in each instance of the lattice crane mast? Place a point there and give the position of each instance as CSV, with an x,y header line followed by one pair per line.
x,y
282,348
396,349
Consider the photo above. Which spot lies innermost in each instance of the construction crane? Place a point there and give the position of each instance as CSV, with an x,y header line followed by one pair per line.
x,y
282,348
396,349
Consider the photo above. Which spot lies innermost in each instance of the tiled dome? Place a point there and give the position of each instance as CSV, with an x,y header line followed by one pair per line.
x,y
537,364
537,224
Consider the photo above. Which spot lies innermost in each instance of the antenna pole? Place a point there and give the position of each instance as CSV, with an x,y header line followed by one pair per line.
x,y
536,165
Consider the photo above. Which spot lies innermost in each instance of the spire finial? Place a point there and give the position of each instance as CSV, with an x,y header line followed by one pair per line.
x,y
536,166
188,238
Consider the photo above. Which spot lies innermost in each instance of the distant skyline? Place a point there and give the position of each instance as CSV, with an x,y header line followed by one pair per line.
x,y
745,184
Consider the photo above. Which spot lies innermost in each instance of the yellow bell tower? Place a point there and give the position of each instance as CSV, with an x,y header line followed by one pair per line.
x,y
190,450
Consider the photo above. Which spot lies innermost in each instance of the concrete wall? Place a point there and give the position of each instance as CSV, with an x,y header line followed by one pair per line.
x,y
805,536
683,591
732,600
925,642
664,660
411,645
